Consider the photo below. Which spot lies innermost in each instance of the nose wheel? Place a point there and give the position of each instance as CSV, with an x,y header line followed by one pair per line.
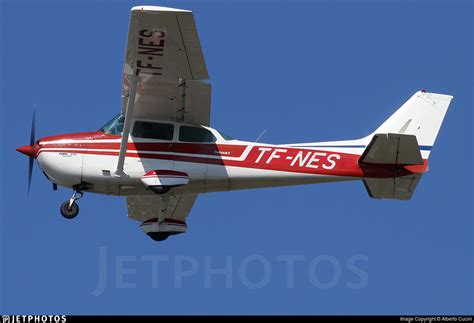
x,y
70,209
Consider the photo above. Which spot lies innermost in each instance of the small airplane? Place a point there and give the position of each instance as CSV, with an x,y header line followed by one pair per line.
x,y
160,151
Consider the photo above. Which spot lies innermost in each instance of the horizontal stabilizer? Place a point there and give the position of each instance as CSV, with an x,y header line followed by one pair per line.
x,y
398,188
391,148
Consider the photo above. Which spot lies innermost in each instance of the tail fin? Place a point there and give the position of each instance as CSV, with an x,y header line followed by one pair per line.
x,y
420,116
405,139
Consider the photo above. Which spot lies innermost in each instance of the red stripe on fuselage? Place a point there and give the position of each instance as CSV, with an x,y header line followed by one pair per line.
x,y
81,136
198,149
276,158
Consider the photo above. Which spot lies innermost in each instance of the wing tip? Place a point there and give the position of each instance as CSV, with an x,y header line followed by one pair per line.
x,y
157,9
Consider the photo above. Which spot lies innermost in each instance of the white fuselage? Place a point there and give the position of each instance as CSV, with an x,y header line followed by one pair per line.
x,y
89,159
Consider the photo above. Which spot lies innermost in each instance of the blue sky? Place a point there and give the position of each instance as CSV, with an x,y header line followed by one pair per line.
x,y
306,71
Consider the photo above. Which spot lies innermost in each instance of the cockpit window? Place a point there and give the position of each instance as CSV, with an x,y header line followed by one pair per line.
x,y
195,134
114,126
153,130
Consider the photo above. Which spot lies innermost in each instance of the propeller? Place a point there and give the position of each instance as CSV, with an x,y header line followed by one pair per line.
x,y
32,143
30,150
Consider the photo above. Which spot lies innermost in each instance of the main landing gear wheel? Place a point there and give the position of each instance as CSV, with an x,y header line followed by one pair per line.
x,y
69,212
159,236
160,189
69,209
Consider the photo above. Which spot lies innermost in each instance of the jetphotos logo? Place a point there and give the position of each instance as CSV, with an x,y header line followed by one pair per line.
x,y
33,318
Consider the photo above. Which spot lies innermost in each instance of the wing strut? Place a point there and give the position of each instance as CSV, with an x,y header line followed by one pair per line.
x,y
127,124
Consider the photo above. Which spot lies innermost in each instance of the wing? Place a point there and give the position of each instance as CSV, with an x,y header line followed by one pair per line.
x,y
144,208
164,51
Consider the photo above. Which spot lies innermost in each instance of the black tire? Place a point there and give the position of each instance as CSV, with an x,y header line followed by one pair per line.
x,y
159,236
160,189
69,213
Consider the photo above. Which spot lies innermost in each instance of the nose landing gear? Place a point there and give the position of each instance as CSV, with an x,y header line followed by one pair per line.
x,y
69,209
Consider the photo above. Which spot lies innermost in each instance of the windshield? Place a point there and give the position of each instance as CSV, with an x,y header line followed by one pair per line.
x,y
226,137
114,126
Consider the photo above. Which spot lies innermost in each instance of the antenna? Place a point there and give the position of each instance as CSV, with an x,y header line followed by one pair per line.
x,y
261,134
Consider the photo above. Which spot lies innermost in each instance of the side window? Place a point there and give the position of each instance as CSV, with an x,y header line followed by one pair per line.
x,y
153,130
195,134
